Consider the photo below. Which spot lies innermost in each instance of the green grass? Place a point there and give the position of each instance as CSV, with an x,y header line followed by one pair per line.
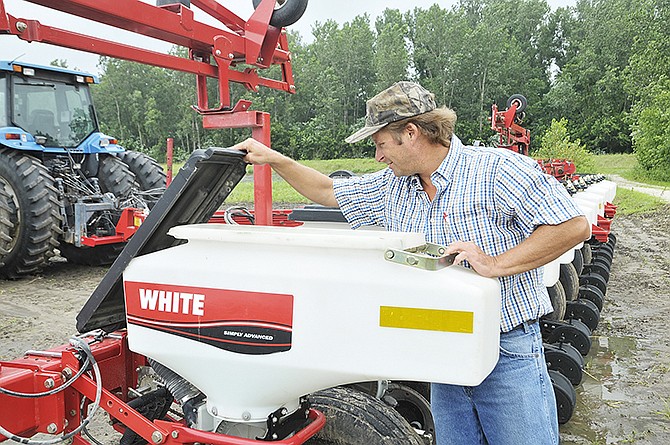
x,y
617,164
282,193
626,166
630,202
327,166
358,166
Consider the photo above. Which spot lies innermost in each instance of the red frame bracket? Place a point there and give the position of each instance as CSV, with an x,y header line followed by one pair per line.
x,y
130,220
38,371
512,136
255,42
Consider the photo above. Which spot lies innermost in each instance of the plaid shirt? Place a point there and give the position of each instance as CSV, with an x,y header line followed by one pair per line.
x,y
490,196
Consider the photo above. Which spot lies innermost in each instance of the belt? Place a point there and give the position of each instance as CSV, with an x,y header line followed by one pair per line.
x,y
526,323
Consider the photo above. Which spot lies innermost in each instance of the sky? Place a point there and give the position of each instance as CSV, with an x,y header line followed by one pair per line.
x,y
11,47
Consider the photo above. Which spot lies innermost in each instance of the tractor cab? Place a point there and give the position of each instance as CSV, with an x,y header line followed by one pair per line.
x,y
49,109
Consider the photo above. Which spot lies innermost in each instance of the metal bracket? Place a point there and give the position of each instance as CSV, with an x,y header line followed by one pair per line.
x,y
427,256
281,424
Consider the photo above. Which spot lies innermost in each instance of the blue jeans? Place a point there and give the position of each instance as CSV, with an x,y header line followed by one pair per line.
x,y
514,405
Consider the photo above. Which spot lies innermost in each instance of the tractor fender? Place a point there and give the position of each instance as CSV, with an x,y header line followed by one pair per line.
x,y
24,141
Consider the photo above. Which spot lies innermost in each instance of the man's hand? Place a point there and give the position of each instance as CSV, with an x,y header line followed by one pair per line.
x,y
545,244
307,181
258,153
483,264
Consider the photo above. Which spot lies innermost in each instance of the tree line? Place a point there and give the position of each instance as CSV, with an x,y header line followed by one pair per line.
x,y
601,67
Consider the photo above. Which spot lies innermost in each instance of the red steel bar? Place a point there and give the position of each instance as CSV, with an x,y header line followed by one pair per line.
x,y
259,122
263,176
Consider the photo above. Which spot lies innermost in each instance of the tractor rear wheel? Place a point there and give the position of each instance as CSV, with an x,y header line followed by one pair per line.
x,y
115,177
149,175
6,225
34,213
354,417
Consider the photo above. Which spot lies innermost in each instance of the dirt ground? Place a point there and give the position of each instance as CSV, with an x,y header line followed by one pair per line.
x,y
625,398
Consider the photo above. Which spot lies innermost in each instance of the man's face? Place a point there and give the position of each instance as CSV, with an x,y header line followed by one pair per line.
x,y
396,155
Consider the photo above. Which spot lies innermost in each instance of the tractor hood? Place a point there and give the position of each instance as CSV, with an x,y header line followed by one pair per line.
x,y
201,186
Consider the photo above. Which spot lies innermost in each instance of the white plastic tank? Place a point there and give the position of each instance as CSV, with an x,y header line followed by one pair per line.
x,y
589,207
607,188
595,199
256,317
567,257
551,272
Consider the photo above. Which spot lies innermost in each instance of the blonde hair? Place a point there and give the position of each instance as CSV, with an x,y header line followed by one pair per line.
x,y
437,125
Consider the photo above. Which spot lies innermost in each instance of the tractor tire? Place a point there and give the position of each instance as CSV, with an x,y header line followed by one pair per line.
x,y
286,12
354,417
6,225
149,175
558,301
34,209
115,177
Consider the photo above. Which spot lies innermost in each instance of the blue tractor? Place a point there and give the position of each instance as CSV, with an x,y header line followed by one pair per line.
x,y
64,184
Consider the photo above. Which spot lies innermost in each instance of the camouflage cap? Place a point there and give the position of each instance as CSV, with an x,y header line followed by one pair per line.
x,y
400,101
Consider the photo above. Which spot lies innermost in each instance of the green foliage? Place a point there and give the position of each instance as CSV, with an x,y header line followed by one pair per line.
x,y
626,166
651,134
556,144
599,64
598,40
143,106
391,55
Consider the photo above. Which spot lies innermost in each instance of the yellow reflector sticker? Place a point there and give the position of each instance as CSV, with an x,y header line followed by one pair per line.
x,y
426,319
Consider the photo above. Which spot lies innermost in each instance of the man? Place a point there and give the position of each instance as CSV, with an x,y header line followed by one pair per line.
x,y
497,211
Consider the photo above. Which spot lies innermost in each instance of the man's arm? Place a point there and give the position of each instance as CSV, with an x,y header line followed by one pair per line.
x,y
308,182
545,244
